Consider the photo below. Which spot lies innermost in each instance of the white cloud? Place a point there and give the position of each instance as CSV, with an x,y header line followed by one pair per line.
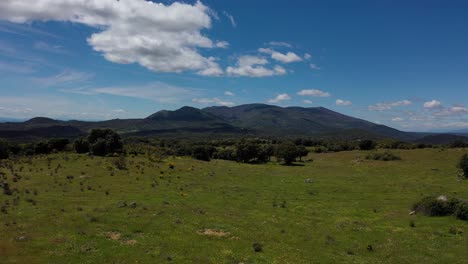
x,y
454,110
432,104
222,44
307,56
314,92
314,66
156,91
162,38
66,76
289,57
229,93
397,119
253,66
44,46
307,101
214,100
343,102
280,44
388,106
279,98
231,19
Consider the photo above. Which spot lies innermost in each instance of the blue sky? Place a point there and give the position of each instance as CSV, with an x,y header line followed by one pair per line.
x,y
399,63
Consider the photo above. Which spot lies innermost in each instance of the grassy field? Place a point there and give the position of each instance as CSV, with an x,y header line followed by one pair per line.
x,y
340,208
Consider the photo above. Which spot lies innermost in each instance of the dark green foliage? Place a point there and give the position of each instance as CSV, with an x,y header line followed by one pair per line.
x,y
440,206
225,154
99,147
257,247
367,144
302,151
104,141
459,143
385,156
461,211
4,153
42,148
81,145
288,152
203,152
463,165
58,144
247,151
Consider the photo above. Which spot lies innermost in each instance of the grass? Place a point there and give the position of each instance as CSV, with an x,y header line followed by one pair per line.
x,y
351,210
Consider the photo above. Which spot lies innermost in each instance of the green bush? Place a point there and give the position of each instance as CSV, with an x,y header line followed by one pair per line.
x,y
81,145
385,156
202,152
104,141
367,144
288,152
463,165
4,153
461,211
437,206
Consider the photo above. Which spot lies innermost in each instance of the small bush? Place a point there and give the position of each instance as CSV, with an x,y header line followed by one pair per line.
x,y
385,156
367,144
442,206
463,165
120,163
257,247
461,211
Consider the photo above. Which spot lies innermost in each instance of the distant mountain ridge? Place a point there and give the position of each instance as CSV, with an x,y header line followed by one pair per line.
x,y
249,119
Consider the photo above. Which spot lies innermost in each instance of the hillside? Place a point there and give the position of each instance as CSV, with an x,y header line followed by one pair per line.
x,y
254,119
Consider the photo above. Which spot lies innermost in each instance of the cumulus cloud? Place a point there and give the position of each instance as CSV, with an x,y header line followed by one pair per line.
x,y
314,92
307,56
214,100
279,98
288,57
388,106
343,102
254,66
432,104
162,38
307,101
229,93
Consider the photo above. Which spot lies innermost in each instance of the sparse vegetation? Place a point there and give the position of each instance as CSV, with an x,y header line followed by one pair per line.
x,y
463,165
383,156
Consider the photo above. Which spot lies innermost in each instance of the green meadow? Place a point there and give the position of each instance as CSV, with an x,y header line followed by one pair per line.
x,y
331,208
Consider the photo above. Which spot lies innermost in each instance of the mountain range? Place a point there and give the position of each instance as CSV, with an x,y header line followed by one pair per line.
x,y
249,119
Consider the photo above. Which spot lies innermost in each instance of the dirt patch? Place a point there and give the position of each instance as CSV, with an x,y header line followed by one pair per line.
x,y
113,235
213,232
130,242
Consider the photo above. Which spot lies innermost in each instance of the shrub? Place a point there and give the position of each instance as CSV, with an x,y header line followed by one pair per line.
x,y
42,148
120,163
58,144
463,165
385,156
437,206
81,145
247,151
203,152
4,153
461,211
225,154
287,152
367,144
105,141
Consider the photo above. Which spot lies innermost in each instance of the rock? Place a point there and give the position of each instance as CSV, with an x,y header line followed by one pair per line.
x,y
442,198
133,205
412,213
122,204
308,180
